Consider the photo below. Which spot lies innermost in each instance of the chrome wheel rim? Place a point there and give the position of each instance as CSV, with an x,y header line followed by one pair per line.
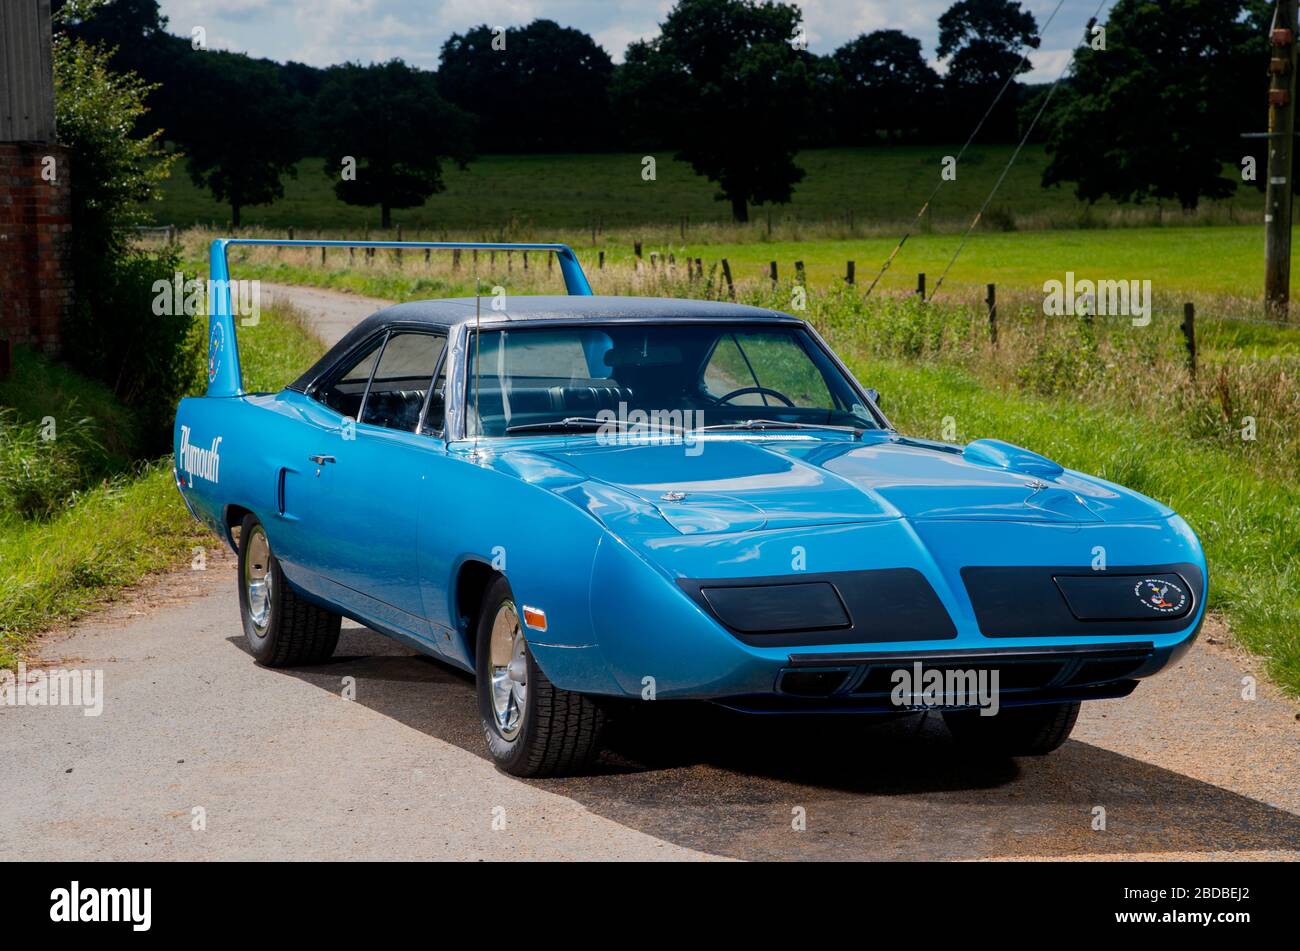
x,y
509,670
257,580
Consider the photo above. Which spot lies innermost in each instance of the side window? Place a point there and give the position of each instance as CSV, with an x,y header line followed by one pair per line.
x,y
401,380
436,419
349,388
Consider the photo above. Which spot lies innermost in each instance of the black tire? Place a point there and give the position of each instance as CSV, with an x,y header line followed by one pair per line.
x,y
558,732
294,632
1015,731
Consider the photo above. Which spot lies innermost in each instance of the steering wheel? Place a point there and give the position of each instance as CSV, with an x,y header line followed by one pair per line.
x,y
761,390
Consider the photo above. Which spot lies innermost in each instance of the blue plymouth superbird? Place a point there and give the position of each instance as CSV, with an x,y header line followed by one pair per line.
x,y
595,502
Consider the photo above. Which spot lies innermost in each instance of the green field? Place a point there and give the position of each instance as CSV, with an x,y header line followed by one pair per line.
x,y
1219,269
1222,261
524,193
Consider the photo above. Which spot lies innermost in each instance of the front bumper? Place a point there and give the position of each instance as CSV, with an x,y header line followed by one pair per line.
x,y
654,639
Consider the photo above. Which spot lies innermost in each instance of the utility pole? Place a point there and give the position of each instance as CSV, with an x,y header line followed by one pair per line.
x,y
1281,144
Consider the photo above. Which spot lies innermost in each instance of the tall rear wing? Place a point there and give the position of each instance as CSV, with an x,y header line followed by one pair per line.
x,y
224,375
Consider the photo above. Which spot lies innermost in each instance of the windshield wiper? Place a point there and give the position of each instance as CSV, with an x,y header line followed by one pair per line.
x,y
577,423
781,424
585,423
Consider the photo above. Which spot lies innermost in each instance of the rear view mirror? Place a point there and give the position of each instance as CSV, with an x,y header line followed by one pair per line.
x,y
657,356
873,395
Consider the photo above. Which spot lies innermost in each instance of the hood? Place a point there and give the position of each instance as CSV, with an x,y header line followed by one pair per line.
x,y
772,481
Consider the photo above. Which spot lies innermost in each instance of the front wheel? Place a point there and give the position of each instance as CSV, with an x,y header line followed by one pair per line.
x,y
532,727
1015,731
282,629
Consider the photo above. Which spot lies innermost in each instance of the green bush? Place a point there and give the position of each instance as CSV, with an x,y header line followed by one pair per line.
x,y
114,335
44,463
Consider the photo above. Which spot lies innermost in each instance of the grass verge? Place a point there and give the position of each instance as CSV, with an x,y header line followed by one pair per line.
x,y
109,537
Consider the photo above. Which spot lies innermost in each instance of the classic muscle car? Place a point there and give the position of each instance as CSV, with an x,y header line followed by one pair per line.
x,y
595,502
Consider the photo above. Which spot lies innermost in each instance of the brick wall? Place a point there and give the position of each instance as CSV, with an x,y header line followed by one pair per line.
x,y
35,245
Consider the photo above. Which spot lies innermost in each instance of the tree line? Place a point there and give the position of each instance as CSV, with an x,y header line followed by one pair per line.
x,y
1153,109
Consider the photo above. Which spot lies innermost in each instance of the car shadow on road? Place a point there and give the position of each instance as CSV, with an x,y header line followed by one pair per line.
x,y
742,787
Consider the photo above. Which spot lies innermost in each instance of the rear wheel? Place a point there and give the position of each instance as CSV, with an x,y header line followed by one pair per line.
x,y
1015,731
282,629
532,727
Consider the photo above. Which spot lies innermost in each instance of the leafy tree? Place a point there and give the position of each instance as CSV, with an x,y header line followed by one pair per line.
x,y
112,333
109,23
541,87
888,87
1158,113
723,83
390,119
95,109
983,42
240,130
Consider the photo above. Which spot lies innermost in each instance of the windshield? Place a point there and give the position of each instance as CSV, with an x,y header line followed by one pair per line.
x,y
534,380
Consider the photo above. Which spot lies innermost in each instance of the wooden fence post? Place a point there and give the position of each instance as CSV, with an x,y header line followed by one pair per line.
x,y
799,277
992,301
455,258
771,270
848,273
1189,336
601,264
920,286
726,273
322,255
699,267
636,248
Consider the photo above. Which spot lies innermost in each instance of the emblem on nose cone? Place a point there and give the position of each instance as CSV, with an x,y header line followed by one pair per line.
x,y
673,496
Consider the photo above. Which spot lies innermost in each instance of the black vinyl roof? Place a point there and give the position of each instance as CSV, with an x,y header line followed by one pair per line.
x,y
453,312
461,310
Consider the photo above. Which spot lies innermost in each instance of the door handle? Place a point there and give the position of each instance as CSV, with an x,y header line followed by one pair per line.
x,y
320,460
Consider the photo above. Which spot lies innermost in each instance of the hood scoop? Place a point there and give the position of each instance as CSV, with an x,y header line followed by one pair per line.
x,y
997,454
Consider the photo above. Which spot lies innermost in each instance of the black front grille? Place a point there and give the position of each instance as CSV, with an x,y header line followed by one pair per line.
x,y
1026,675
1107,669
813,683
1020,673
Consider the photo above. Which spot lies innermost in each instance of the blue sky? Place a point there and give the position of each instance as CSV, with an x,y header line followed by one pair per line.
x,y
322,32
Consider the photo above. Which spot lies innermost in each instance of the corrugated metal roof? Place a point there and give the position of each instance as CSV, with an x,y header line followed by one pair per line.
x,y
26,72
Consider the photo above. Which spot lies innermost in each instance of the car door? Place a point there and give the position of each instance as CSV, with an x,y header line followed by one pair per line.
x,y
365,478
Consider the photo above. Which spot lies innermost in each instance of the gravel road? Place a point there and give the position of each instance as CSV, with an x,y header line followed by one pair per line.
x,y
281,764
